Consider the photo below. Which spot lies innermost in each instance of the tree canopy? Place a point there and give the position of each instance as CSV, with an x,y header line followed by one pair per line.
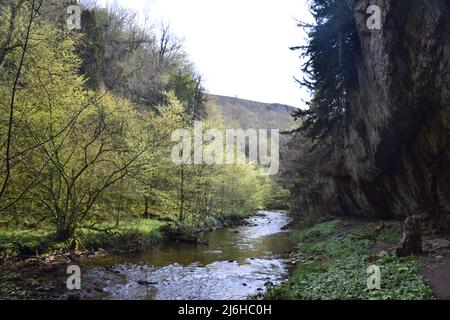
x,y
330,72
86,119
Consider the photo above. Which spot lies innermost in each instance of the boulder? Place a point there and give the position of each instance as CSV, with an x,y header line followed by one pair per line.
x,y
411,242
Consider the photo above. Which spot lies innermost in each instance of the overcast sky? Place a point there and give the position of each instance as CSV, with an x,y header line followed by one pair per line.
x,y
240,47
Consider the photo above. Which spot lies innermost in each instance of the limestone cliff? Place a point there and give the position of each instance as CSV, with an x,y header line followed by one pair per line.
x,y
393,159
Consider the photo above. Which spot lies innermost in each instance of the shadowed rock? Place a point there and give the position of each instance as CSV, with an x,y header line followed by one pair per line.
x,y
411,242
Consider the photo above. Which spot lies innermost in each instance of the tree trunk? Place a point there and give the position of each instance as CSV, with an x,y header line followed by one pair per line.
x,y
181,214
146,213
411,243
64,233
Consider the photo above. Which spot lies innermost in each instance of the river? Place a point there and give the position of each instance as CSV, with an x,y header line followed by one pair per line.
x,y
237,263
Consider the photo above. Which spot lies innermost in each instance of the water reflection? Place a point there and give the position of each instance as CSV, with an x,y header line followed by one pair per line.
x,y
237,262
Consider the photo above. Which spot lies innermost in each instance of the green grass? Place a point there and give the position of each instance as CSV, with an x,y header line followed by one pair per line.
x,y
318,231
150,231
391,234
133,232
24,242
335,268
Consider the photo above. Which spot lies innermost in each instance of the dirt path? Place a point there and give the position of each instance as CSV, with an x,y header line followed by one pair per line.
x,y
381,246
438,274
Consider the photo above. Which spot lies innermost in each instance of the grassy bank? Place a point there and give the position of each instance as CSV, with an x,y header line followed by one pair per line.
x,y
129,235
41,241
333,261
31,277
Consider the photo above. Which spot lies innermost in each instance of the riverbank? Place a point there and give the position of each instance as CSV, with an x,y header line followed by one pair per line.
x,y
128,235
332,260
236,263
29,256
34,243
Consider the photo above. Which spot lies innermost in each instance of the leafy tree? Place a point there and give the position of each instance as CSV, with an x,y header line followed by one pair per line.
x,y
91,49
17,44
75,154
188,88
332,49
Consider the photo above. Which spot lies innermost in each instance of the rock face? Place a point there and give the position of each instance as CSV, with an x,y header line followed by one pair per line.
x,y
394,157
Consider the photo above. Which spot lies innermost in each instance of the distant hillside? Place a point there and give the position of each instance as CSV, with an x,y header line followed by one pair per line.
x,y
246,114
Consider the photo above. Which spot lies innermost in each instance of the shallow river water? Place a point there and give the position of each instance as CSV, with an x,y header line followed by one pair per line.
x,y
237,263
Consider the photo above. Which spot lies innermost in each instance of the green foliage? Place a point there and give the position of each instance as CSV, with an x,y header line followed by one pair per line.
x,y
335,268
330,68
346,280
84,156
91,49
318,231
31,242
402,280
15,242
279,198
151,231
391,234
189,90
138,63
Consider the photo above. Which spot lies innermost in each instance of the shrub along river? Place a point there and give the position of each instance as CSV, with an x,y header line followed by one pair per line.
x,y
237,263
